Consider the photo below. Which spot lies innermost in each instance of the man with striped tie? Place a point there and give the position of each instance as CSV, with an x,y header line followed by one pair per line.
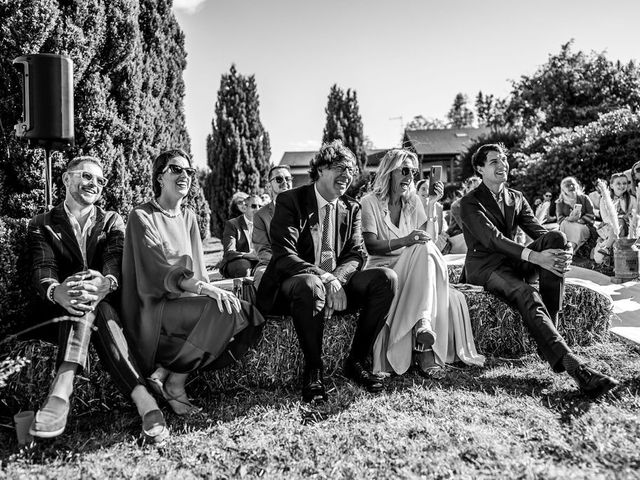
x,y
316,269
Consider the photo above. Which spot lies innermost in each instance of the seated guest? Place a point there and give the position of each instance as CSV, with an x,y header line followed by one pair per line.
x,y
238,204
425,312
77,256
575,212
633,177
239,257
454,232
279,181
316,269
546,210
436,225
490,215
609,229
175,321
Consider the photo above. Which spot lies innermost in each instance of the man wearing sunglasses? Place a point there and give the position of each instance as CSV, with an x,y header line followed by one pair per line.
x,y
280,180
76,259
316,269
239,257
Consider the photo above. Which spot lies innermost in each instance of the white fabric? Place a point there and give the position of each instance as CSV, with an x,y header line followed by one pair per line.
x,y
81,234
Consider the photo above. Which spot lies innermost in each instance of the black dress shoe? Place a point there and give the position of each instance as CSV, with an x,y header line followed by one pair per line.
x,y
313,385
356,372
593,383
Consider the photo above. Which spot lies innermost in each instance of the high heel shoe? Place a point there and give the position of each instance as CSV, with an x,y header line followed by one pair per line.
x,y
180,403
424,335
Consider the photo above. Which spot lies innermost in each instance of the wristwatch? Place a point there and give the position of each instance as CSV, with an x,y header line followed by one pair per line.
x,y
113,283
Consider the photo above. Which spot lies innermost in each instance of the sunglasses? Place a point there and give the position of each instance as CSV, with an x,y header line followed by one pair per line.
x,y
177,169
344,168
255,206
89,177
408,171
280,179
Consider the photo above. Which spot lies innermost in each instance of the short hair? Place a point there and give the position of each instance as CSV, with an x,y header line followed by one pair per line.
x,y
479,158
234,211
276,167
74,162
420,183
160,163
330,153
391,160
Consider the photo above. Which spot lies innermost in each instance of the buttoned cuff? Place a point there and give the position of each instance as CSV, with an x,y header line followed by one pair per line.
x,y
525,254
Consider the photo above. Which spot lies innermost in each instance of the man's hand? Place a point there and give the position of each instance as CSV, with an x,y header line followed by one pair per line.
x,y
556,260
97,284
72,295
336,298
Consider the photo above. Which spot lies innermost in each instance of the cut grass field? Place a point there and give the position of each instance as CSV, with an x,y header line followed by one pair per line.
x,y
511,419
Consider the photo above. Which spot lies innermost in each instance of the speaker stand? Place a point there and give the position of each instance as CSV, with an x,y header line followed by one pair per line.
x,y
47,179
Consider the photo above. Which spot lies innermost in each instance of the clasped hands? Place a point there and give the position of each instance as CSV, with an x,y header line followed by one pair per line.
x,y
81,292
335,298
556,260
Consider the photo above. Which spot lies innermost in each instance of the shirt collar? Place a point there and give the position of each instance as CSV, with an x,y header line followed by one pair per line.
x,y
90,218
246,220
321,200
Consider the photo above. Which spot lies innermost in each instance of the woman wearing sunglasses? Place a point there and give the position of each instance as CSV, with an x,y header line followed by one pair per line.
x,y
176,321
425,310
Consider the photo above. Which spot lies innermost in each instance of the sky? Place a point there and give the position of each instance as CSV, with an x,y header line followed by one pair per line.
x,y
402,57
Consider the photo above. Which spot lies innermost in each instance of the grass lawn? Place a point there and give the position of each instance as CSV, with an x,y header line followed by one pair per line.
x,y
512,419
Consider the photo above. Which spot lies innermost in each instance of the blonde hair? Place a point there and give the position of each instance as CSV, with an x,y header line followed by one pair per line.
x,y
391,160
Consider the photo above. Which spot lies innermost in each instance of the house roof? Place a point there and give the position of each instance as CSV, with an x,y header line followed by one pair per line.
x,y
449,141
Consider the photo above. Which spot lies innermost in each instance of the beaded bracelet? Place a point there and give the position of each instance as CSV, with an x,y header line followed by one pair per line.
x,y
200,287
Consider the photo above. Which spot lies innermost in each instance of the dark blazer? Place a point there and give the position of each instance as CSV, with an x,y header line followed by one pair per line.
x,y
235,240
295,216
489,235
261,237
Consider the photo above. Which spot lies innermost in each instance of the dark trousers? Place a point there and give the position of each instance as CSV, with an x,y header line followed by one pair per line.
x,y
238,268
303,296
539,309
109,342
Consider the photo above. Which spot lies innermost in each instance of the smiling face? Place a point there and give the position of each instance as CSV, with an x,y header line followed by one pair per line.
x,y
280,181
495,170
402,178
83,189
423,191
335,180
175,186
569,186
619,185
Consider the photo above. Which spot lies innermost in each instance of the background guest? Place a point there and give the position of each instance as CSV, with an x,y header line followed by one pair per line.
x,y
575,212
239,257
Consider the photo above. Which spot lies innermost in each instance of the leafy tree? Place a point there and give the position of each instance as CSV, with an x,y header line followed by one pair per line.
x,y
238,149
420,122
573,88
345,123
460,115
491,111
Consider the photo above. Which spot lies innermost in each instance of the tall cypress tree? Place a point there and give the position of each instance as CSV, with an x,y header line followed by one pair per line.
x,y
238,149
345,123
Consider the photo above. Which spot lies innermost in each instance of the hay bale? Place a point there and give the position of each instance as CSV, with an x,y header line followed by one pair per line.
x,y
277,360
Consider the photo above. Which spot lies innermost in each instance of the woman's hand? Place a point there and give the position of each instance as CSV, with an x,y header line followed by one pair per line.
x,y
417,236
438,189
223,297
601,187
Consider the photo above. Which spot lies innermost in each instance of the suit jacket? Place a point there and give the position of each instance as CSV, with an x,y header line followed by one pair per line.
x,y
489,235
294,233
261,237
235,240
55,252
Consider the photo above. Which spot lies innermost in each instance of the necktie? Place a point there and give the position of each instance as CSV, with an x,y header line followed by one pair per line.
x,y
326,252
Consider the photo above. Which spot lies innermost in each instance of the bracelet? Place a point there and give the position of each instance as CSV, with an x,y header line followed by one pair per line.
x,y
51,293
200,287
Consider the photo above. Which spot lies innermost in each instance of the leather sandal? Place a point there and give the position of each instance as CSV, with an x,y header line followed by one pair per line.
x,y
174,401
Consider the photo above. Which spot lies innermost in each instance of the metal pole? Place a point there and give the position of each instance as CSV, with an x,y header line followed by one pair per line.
x,y
47,180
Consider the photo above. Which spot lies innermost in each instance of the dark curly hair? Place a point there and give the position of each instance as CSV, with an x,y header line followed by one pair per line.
x,y
480,156
160,163
330,153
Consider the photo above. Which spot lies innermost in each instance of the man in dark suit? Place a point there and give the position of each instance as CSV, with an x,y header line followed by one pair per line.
x,y
76,252
490,217
280,180
239,257
316,268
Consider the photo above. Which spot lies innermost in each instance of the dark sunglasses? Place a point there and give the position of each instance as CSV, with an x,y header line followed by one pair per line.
x,y
408,170
88,176
280,179
177,169
255,206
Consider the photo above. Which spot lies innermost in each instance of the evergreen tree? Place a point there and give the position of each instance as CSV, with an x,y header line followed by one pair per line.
x,y
238,149
345,123
460,115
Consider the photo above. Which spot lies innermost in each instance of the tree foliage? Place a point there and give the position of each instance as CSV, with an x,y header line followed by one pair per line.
x,y
573,88
491,111
128,59
460,115
420,122
238,149
345,123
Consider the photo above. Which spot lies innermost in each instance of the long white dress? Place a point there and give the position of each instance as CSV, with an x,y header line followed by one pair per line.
x,y
423,292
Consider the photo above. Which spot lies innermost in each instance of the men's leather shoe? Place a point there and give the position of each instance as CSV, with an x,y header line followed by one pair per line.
x,y
593,383
356,372
313,385
51,419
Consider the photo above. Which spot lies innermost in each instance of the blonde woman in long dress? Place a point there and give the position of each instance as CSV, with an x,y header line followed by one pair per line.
x,y
425,312
575,212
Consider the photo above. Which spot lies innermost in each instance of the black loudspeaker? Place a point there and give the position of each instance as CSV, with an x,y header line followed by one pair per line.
x,y
47,100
